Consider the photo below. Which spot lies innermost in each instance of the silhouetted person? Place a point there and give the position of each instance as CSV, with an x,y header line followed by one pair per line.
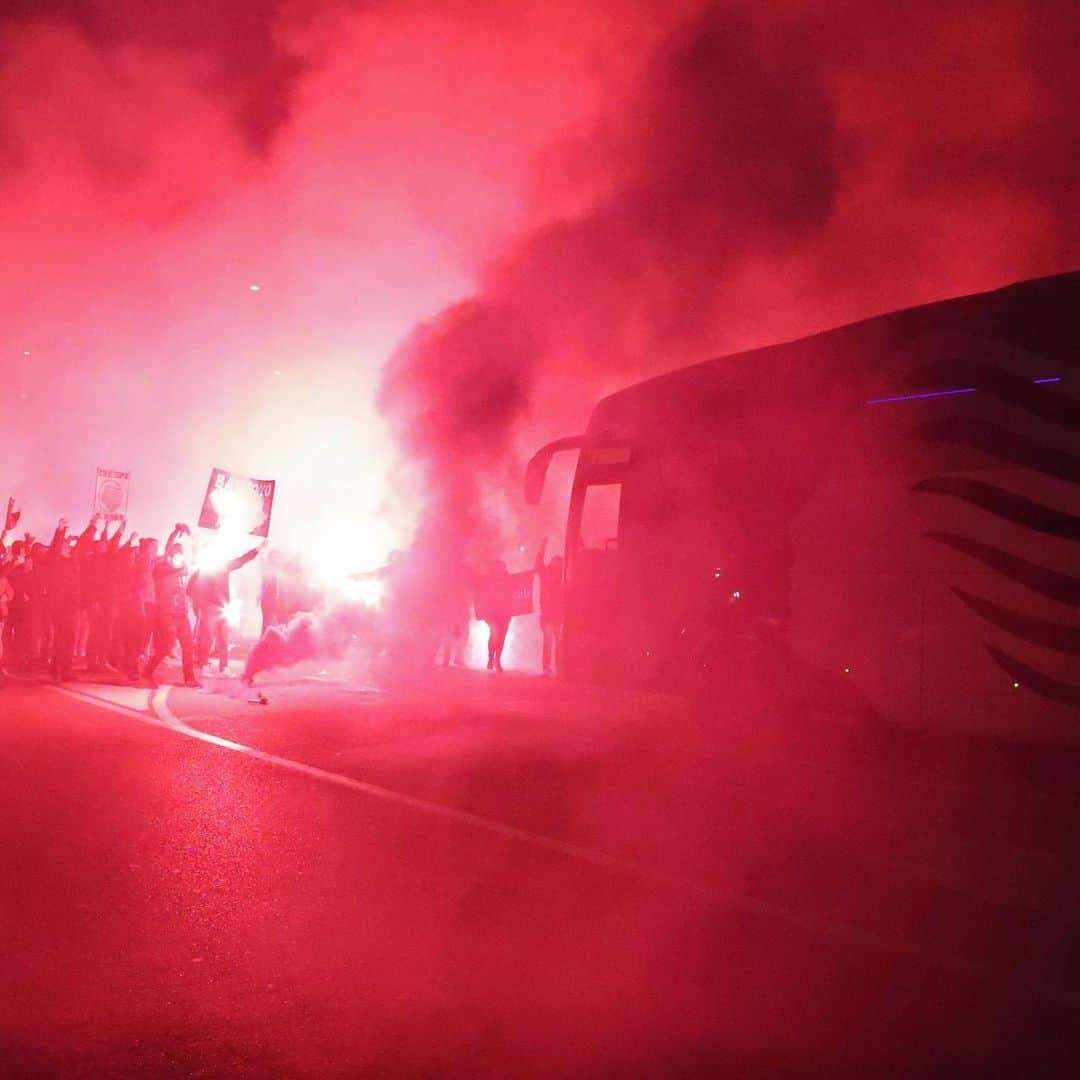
x,y
99,576
64,600
37,638
552,608
453,612
171,618
7,594
494,606
132,568
17,638
209,592
272,600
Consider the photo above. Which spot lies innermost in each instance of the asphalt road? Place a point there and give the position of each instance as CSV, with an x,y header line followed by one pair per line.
x,y
474,876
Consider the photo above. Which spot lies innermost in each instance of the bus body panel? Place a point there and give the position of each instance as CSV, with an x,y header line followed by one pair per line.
x,y
893,506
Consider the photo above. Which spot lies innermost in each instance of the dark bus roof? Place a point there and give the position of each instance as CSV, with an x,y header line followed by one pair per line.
x,y
1037,316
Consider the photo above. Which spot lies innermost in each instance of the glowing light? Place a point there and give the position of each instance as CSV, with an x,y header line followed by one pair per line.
x,y
947,393
255,288
239,509
232,613
847,671
223,500
210,559
1016,686
928,394
366,591
736,594
346,542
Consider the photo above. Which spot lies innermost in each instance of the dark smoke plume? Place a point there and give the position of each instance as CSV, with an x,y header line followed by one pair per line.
x,y
772,171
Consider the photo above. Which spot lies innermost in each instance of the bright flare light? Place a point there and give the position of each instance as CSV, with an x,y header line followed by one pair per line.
x,y
210,559
367,591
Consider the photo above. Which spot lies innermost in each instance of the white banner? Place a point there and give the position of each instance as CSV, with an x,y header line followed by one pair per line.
x,y
111,494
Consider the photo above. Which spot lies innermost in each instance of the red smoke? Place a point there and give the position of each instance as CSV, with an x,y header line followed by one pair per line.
x,y
561,197
770,171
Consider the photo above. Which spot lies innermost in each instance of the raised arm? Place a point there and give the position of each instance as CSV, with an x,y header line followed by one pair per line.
x,y
59,537
179,529
89,534
11,519
242,560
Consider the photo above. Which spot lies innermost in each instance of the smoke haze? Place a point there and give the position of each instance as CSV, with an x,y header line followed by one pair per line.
x,y
520,207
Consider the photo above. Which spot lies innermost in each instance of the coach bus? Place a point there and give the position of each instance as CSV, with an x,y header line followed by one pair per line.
x,y
884,516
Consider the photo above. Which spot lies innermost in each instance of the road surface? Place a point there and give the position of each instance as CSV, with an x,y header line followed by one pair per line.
x,y
473,875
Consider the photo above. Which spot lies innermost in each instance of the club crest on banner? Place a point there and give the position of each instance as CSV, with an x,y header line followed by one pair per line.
x,y
111,494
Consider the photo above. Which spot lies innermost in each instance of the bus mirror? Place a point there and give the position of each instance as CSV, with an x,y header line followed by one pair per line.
x,y
537,468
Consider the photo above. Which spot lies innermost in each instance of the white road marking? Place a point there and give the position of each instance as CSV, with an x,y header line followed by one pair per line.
x,y
1019,895
161,716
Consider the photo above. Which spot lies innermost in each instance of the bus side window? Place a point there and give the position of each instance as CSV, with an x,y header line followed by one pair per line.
x,y
600,517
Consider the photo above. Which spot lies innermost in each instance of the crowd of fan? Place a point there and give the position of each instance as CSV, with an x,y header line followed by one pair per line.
x,y
119,606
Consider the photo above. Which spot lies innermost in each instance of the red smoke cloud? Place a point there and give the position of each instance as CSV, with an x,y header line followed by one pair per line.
x,y
770,171
358,173
541,201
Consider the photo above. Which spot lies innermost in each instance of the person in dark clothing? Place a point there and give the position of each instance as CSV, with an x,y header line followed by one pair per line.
x,y
552,608
128,610
144,578
171,619
19,570
99,573
453,612
7,593
36,633
272,599
209,593
133,609
64,598
493,606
